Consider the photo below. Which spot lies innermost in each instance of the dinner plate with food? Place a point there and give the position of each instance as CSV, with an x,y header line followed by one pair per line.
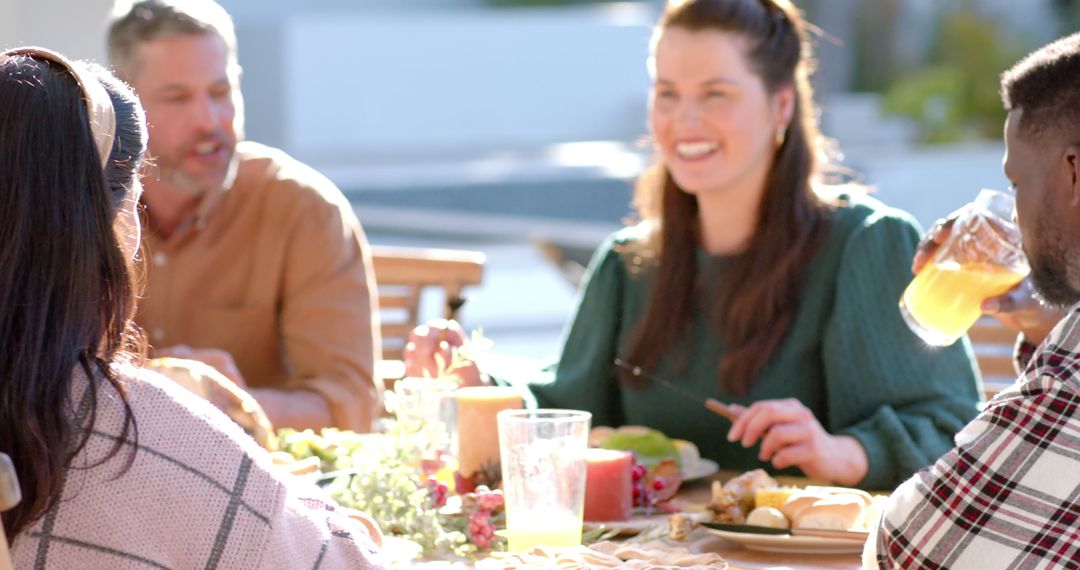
x,y
755,511
652,447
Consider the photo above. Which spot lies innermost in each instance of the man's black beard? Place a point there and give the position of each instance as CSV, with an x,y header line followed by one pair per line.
x,y
1050,268
1052,288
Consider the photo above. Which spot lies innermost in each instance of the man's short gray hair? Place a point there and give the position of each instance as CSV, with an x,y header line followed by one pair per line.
x,y
152,19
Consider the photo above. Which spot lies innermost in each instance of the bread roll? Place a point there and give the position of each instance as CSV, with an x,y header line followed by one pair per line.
x,y
795,504
866,498
837,512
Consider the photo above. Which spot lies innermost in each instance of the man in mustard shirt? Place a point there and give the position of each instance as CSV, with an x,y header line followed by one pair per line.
x,y
255,263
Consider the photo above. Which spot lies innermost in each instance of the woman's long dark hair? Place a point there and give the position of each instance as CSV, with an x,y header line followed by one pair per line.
x,y
753,312
67,288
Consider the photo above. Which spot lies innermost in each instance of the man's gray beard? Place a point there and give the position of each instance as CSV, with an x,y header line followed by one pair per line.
x,y
179,179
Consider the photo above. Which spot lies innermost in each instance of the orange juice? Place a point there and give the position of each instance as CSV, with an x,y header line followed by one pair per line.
x,y
944,299
543,529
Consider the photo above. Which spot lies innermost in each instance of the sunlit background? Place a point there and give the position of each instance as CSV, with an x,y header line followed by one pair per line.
x,y
516,127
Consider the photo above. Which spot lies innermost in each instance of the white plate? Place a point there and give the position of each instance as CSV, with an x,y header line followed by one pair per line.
x,y
787,543
703,468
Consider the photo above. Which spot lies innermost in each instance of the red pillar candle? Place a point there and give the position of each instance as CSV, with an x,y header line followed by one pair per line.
x,y
609,486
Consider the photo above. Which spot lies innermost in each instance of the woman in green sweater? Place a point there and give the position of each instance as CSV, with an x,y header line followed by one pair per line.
x,y
748,281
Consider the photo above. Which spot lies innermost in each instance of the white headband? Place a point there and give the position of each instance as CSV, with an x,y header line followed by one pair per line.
x,y
99,106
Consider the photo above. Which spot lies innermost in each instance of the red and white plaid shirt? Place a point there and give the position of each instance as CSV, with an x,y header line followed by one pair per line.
x,y
1008,494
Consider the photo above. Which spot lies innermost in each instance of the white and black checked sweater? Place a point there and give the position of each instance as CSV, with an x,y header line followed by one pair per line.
x,y
199,494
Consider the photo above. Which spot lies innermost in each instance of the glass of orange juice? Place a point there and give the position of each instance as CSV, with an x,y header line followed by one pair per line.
x,y
543,470
981,258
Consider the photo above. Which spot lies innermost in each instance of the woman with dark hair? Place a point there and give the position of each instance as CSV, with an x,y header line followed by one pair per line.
x,y
118,467
750,280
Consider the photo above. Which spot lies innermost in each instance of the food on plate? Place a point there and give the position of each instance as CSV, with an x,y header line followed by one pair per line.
x,y
206,382
767,516
756,499
732,501
651,446
773,496
798,502
863,495
842,511
680,525
689,455
828,508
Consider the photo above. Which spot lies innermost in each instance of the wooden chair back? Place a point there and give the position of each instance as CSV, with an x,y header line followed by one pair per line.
x,y
993,344
403,273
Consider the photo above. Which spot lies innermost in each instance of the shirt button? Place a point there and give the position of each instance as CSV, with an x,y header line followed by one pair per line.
x,y
159,259
158,334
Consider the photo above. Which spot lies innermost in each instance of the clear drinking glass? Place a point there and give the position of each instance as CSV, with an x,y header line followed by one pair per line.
x,y
981,258
543,471
427,406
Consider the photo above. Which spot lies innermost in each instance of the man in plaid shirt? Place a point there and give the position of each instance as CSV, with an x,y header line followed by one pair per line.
x,y
1008,494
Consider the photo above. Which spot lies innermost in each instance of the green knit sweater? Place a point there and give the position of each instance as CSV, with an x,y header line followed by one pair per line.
x,y
848,356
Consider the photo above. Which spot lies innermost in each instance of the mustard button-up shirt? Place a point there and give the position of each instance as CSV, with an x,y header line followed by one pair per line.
x,y
275,270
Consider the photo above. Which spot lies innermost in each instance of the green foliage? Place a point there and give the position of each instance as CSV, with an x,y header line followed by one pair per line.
x,y
956,97
379,477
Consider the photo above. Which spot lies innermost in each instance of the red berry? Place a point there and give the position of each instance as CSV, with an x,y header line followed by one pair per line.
x,y
438,492
430,465
491,501
638,472
658,484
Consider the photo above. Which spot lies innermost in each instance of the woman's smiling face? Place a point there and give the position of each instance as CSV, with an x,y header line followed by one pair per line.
x,y
713,120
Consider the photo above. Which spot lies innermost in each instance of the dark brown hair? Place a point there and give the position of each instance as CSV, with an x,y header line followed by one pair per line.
x,y
1046,85
754,311
66,285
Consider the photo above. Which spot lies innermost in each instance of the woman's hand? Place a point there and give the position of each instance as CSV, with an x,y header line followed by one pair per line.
x,y
434,341
791,436
222,361
1017,309
436,337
